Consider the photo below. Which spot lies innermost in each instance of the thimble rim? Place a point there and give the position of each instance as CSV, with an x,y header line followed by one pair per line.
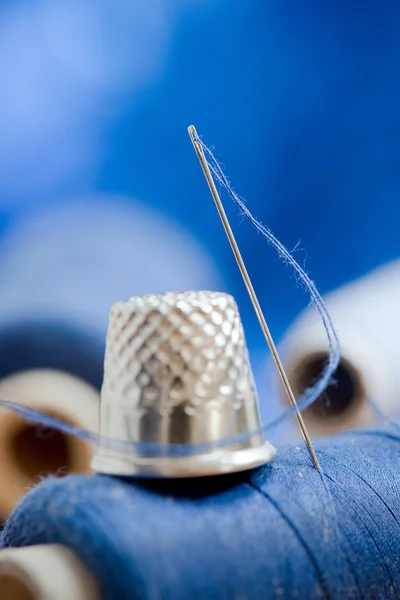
x,y
218,462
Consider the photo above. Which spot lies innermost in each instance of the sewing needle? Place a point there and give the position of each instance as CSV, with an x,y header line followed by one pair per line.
x,y
253,297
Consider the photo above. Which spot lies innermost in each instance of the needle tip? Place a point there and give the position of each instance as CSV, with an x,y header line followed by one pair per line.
x,y
314,458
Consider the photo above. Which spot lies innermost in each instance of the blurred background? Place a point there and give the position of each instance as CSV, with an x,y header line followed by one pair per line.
x,y
102,197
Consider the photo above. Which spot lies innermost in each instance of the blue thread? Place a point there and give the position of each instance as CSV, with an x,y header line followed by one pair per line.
x,y
273,533
311,394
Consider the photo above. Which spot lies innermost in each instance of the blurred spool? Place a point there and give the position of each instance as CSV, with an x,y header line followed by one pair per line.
x,y
28,451
51,572
367,318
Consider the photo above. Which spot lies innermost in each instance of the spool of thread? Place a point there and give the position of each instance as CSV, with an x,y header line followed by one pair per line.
x,y
282,531
28,451
51,572
367,319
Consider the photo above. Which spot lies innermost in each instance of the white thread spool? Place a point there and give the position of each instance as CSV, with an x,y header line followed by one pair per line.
x,y
27,451
51,572
367,319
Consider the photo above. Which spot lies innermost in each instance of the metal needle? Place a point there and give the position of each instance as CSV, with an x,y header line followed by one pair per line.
x,y
256,305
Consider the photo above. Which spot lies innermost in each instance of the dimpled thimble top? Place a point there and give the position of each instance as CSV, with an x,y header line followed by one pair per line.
x,y
177,372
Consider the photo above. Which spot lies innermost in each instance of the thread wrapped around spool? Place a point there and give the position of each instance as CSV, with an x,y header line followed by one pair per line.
x,y
366,317
282,531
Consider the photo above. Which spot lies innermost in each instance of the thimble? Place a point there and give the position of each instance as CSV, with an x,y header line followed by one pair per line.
x,y
178,389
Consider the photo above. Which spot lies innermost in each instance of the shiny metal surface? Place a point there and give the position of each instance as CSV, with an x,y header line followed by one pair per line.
x,y
177,372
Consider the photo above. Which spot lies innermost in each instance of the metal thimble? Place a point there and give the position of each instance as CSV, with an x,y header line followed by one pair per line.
x,y
179,388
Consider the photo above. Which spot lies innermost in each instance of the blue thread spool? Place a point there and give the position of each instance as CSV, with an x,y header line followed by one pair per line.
x,y
282,531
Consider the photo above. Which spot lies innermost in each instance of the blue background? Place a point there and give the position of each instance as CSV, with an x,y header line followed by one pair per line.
x,y
299,98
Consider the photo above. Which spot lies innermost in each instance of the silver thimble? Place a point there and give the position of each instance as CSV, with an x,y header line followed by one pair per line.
x,y
179,389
